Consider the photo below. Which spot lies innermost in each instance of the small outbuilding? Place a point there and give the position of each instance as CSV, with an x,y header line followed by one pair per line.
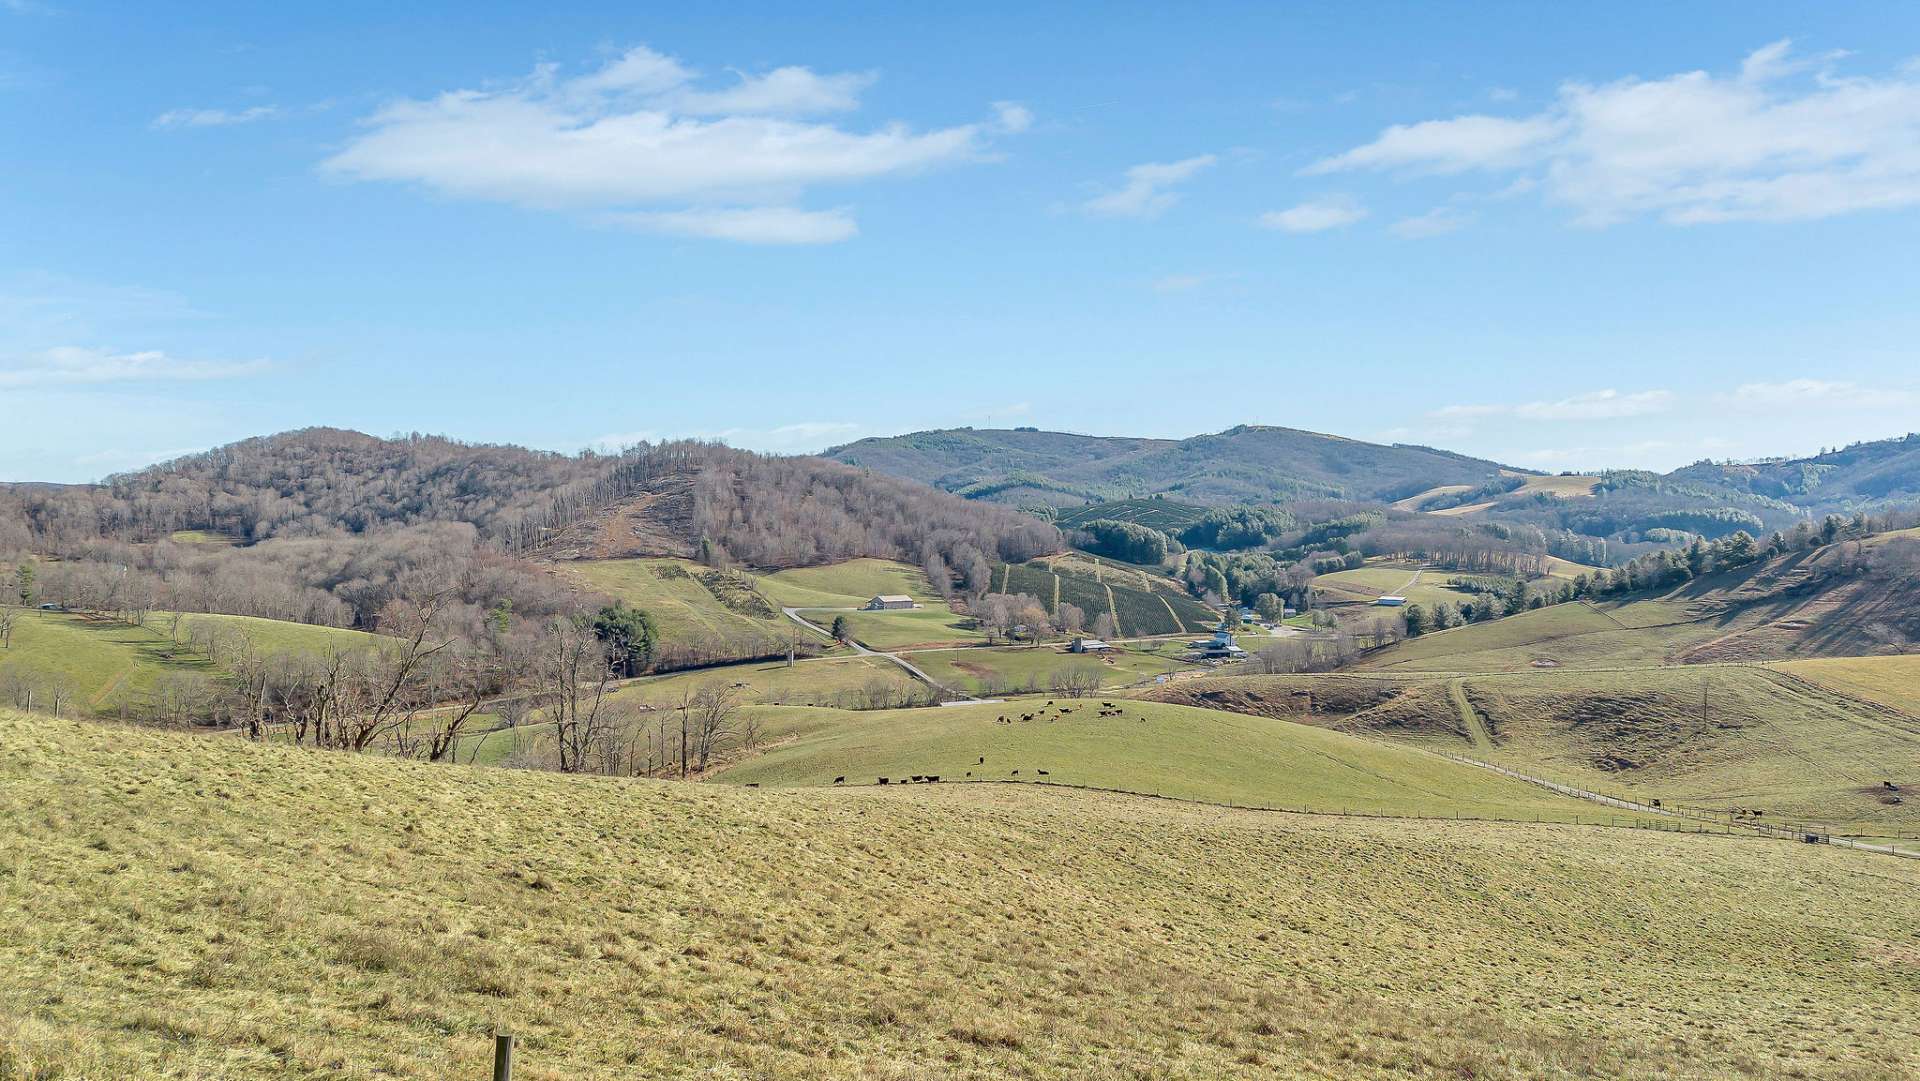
x,y
887,602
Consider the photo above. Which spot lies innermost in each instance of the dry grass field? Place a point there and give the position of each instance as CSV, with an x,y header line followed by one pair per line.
x,y
1893,682
181,907
1708,737
1007,670
1576,635
687,600
110,665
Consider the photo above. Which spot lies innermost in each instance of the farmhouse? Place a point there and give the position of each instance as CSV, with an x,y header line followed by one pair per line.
x,y
1221,645
1389,601
1089,645
888,601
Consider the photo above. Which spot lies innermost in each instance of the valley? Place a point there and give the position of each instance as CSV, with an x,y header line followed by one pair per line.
x,y
721,730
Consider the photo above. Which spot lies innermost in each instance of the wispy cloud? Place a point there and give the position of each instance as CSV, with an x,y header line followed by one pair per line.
x,y
750,224
213,118
1315,216
1146,192
1821,394
1593,405
1439,221
1782,139
640,136
69,365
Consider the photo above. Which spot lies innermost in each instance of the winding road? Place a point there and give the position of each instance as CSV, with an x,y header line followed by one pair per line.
x,y
911,669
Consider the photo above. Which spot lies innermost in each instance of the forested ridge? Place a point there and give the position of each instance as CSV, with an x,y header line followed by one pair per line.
x,y
329,526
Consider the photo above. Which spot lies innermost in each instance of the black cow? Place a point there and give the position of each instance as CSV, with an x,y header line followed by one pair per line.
x,y
839,780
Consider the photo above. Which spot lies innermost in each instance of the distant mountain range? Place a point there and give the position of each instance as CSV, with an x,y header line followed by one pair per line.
x,y
1250,463
1257,463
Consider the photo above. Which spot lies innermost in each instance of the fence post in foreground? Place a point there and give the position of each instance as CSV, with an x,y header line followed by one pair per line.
x,y
503,1056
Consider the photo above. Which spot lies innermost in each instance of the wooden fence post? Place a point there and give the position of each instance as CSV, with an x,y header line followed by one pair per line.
x,y
503,1056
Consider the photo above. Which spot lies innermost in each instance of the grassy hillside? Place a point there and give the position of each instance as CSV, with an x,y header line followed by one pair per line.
x,y
1840,600
1893,682
261,635
1420,586
689,601
1012,669
1158,749
1711,737
109,666
178,907
846,585
1574,635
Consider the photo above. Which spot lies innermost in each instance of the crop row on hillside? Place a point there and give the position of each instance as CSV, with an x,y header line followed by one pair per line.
x,y
1165,515
1139,607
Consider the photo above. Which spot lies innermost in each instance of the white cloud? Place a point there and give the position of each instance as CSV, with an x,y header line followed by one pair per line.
x,y
213,118
1448,146
1012,117
76,365
790,91
1820,393
1439,221
1593,405
639,132
1331,212
1781,140
1145,194
752,225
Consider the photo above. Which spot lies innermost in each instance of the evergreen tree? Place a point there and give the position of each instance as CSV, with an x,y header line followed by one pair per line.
x,y
630,634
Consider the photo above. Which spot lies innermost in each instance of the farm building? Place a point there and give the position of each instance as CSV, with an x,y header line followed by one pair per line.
x,y
889,601
1389,601
1088,645
1220,645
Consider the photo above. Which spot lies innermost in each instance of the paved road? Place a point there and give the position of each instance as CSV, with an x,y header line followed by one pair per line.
x,y
911,669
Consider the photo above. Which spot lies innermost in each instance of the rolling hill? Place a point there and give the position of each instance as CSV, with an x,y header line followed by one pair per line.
x,y
112,668
1152,748
1864,475
186,907
1714,738
1846,599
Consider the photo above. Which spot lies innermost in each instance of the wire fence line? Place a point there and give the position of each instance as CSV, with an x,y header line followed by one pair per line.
x,y
1799,832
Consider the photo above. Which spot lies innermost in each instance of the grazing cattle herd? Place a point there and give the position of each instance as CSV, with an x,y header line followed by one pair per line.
x,y
1049,713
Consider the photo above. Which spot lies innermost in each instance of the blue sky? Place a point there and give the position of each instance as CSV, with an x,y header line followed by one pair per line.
x,y
1631,235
